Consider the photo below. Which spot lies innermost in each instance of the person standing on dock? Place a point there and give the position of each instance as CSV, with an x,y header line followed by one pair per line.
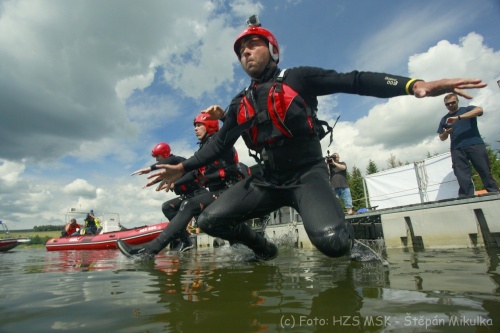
x,y
338,179
277,117
467,146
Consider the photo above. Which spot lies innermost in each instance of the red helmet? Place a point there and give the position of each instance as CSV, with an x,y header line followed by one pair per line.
x,y
264,33
162,149
211,126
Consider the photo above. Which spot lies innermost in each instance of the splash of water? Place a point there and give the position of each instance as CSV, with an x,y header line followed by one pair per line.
x,y
368,250
363,250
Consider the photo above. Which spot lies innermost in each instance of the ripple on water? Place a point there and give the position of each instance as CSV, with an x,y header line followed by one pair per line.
x,y
199,290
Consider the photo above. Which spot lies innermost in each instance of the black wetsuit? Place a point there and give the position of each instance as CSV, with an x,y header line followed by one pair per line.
x,y
217,177
295,173
188,189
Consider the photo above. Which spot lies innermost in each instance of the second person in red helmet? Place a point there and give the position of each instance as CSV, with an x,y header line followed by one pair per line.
x,y
216,176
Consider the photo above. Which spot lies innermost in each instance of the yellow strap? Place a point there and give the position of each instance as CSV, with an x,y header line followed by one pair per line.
x,y
408,84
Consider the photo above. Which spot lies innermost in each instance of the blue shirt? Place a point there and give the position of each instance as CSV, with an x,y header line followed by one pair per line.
x,y
465,132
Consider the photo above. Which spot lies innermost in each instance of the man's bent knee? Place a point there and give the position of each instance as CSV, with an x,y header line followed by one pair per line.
x,y
335,242
205,223
217,226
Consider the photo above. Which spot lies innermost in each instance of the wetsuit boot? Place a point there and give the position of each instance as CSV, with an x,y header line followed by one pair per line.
x,y
139,251
263,249
185,242
148,250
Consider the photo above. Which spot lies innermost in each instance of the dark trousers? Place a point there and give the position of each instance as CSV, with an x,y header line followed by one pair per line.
x,y
308,192
462,159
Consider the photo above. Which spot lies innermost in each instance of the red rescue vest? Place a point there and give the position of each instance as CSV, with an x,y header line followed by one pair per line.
x,y
285,115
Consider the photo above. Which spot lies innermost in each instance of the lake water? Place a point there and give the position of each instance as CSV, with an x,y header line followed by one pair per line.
x,y
212,290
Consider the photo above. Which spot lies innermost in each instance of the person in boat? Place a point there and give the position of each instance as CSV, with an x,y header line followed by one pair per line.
x,y
71,228
92,225
217,177
277,118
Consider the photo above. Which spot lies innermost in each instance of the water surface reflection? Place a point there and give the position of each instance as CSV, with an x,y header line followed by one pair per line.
x,y
212,290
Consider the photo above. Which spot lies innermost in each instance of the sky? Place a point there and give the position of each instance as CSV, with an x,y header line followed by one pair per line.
x,y
87,88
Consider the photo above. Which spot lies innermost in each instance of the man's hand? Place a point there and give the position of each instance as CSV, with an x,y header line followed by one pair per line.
x,y
166,177
141,171
446,131
435,88
451,121
215,112
164,185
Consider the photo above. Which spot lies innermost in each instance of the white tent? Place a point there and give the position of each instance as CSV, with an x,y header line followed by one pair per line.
x,y
431,179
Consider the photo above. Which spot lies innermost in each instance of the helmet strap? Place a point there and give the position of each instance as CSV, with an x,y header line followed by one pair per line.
x,y
274,56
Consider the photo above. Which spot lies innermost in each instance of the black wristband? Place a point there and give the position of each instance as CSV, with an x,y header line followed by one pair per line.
x,y
459,118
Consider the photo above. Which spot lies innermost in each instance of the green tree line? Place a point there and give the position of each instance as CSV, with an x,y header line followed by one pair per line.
x,y
48,228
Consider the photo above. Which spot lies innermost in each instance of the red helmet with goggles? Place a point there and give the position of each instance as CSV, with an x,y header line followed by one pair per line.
x,y
162,149
254,29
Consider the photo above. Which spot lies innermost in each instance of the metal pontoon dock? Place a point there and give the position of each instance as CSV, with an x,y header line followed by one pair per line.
x,y
451,223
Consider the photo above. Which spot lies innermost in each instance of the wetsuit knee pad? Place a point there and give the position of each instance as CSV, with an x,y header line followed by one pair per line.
x,y
190,205
204,223
217,227
334,242
184,204
168,210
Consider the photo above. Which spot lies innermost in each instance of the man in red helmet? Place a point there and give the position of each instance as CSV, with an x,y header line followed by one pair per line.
x,y
162,149
276,116
217,177
162,153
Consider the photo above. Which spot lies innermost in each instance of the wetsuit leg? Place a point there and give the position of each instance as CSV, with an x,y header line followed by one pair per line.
x,y
170,207
322,214
311,195
189,208
242,201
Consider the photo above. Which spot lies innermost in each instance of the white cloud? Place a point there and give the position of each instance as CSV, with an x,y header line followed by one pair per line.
x,y
80,187
405,126
68,77
470,58
125,87
243,9
10,172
